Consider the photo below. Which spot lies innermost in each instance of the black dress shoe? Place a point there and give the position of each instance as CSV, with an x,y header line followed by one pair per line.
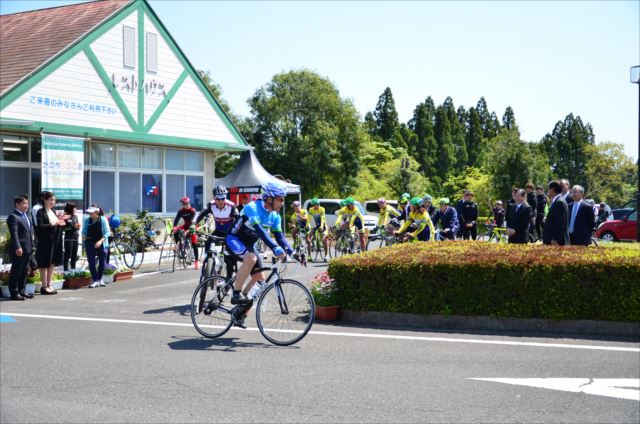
x,y
17,297
26,295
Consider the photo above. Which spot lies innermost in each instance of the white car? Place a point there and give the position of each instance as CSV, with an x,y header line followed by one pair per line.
x,y
331,206
372,208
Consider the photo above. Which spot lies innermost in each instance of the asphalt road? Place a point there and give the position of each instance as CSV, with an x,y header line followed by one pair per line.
x,y
128,353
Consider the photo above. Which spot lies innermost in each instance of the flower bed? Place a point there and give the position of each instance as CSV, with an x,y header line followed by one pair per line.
x,y
499,280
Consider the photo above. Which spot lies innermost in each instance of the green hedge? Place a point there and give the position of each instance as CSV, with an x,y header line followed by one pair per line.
x,y
498,280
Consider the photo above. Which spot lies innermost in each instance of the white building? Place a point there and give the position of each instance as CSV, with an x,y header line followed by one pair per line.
x,y
108,72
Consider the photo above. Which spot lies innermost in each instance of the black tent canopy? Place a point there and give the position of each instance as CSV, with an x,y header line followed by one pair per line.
x,y
249,175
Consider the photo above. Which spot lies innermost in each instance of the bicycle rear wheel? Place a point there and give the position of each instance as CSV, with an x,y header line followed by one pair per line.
x,y
211,307
127,254
285,312
139,258
318,245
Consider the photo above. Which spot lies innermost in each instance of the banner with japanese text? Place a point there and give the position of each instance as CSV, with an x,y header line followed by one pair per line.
x,y
63,168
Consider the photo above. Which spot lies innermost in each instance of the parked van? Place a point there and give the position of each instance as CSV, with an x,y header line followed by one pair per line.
x,y
331,206
372,208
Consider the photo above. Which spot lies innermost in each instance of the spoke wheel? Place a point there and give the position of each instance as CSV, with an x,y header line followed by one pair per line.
x,y
210,308
318,246
286,328
127,254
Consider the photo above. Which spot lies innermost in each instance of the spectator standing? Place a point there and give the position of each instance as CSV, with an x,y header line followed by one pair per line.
x,y
566,191
469,217
95,236
556,226
529,188
428,203
510,203
540,205
49,246
603,213
71,235
520,219
581,218
458,208
244,200
36,207
20,247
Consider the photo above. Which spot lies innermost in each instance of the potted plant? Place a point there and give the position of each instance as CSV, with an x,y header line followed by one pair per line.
x,y
124,273
57,282
4,283
76,278
325,297
109,273
34,283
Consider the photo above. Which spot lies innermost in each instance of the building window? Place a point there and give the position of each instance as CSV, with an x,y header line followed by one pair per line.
x,y
103,190
195,191
14,148
175,191
174,159
103,154
152,158
129,192
152,192
15,181
36,149
152,52
129,46
194,161
129,156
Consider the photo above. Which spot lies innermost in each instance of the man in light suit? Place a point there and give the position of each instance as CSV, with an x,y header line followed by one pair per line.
x,y
556,227
20,247
520,219
581,218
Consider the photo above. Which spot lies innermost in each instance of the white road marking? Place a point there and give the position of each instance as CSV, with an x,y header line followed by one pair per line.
x,y
360,335
113,301
70,298
621,388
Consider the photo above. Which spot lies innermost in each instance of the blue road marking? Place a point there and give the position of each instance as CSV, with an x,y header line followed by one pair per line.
x,y
6,318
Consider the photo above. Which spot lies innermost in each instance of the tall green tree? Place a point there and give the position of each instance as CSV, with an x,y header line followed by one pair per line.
x,y
567,148
457,135
509,119
446,152
386,117
611,175
303,130
426,147
474,137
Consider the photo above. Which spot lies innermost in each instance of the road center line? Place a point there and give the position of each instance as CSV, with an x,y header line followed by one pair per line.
x,y
344,334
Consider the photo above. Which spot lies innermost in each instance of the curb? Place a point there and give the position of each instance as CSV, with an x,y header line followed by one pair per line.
x,y
472,323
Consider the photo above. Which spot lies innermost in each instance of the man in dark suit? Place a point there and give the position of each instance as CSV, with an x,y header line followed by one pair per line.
x,y
20,247
581,218
566,191
520,219
556,226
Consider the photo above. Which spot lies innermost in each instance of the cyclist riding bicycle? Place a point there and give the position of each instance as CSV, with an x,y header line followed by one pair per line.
x,y
386,212
449,218
187,213
419,221
317,212
300,221
403,206
349,217
251,225
224,212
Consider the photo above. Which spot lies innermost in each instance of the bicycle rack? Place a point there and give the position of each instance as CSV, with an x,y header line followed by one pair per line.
x,y
167,253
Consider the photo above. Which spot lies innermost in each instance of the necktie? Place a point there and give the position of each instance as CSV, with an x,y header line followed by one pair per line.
x,y
574,212
26,219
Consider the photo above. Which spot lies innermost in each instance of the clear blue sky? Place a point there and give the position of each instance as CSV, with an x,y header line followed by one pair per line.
x,y
544,59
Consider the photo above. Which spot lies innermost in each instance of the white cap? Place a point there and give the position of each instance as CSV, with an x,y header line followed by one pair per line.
x,y
92,210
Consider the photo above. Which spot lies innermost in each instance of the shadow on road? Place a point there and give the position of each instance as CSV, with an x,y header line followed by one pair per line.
x,y
183,310
223,344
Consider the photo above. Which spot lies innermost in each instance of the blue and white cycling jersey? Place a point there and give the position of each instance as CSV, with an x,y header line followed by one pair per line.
x,y
254,222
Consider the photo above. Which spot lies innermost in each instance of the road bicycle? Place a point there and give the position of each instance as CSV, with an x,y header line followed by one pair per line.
x,y
383,237
213,261
122,253
183,252
284,308
345,242
496,234
300,241
317,249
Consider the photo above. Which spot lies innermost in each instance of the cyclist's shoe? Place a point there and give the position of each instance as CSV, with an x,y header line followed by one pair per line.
x,y
238,315
240,299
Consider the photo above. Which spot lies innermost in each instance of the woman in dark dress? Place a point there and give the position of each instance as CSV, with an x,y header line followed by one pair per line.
x,y
49,247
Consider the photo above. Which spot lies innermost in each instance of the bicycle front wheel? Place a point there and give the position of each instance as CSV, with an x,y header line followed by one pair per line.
x,y
285,312
211,308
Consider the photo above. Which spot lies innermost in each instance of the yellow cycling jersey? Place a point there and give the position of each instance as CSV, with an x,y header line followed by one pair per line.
x,y
385,212
347,215
318,214
301,218
421,220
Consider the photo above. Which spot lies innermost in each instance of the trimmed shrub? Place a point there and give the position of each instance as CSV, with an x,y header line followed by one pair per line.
x,y
489,279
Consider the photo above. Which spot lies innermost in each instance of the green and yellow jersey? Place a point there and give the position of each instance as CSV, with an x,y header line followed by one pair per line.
x,y
385,213
422,220
348,215
301,219
319,217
